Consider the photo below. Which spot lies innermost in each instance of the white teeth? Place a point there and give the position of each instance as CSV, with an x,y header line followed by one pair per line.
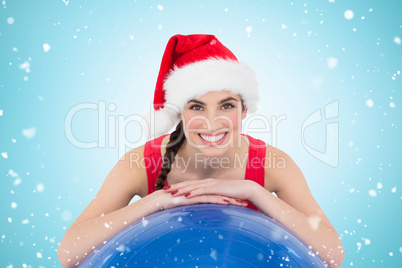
x,y
212,138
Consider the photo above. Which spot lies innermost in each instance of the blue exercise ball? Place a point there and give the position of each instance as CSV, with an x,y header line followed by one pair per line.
x,y
204,235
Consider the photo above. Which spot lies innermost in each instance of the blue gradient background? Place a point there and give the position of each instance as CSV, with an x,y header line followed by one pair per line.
x,y
110,51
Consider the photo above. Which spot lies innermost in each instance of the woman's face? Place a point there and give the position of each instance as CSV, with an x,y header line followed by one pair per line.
x,y
213,121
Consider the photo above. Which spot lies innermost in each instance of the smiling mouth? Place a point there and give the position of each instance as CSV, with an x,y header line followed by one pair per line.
x,y
210,138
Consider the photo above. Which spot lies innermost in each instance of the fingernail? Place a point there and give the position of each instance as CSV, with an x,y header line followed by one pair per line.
x,y
187,195
239,201
225,200
166,187
175,192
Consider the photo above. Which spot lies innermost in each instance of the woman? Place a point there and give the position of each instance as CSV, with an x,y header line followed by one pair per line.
x,y
205,92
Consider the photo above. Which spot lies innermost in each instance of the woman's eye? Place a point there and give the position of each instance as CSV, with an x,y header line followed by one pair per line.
x,y
195,107
228,106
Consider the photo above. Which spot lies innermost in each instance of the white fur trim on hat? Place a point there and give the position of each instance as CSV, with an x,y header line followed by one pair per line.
x,y
215,74
161,121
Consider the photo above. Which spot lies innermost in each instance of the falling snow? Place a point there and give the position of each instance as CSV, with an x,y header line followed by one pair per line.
x,y
214,254
17,181
314,222
10,20
29,133
331,45
372,192
25,66
332,62
12,173
249,29
40,188
369,103
46,47
348,14
144,222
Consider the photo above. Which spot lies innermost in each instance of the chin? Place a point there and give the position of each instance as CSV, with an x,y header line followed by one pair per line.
x,y
214,151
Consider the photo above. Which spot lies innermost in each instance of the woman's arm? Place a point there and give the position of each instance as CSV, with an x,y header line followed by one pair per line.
x,y
109,212
310,228
296,209
82,238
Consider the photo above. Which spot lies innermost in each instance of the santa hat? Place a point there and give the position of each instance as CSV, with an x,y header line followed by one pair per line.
x,y
193,65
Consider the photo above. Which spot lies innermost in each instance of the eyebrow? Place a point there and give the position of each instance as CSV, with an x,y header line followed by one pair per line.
x,y
222,101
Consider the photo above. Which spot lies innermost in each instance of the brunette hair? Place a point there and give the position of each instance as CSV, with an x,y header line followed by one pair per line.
x,y
176,140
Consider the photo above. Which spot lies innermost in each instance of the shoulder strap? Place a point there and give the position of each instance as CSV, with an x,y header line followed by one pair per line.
x,y
153,161
255,163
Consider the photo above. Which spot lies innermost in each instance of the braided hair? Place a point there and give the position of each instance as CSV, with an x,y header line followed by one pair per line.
x,y
176,140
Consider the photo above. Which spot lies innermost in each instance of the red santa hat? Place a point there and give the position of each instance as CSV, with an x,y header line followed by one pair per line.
x,y
193,65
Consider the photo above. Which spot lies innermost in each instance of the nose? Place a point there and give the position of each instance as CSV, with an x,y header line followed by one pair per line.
x,y
215,122
209,122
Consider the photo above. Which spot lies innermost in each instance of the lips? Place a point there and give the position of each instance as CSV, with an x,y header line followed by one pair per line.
x,y
209,139
212,138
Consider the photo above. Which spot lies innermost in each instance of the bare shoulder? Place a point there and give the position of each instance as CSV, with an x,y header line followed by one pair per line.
x,y
164,142
274,165
128,176
135,163
126,179
281,170
290,184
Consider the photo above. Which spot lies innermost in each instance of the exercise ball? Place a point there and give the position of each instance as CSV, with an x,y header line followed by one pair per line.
x,y
204,235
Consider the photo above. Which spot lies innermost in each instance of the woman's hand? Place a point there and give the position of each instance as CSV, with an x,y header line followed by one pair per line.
x,y
166,200
235,191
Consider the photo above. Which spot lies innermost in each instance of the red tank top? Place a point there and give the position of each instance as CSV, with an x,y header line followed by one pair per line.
x,y
254,168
